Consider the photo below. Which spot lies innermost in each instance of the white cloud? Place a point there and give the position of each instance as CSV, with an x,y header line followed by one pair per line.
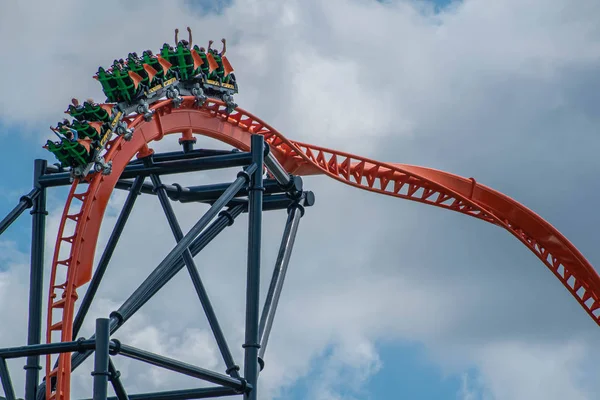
x,y
464,90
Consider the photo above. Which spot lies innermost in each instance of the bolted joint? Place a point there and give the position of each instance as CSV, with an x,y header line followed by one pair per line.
x,y
232,368
35,211
261,363
118,316
296,206
177,195
105,373
245,387
114,347
247,172
227,214
148,159
159,188
28,199
80,347
294,186
114,375
32,366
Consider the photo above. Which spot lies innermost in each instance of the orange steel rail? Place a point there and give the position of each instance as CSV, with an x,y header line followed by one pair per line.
x,y
74,252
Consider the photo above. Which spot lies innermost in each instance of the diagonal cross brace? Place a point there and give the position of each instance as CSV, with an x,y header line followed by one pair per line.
x,y
232,368
170,264
279,272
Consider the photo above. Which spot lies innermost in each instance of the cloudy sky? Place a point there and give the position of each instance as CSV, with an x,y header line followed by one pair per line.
x,y
384,298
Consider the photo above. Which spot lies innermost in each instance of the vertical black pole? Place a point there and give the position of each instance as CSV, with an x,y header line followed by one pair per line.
x,y
36,279
255,197
101,358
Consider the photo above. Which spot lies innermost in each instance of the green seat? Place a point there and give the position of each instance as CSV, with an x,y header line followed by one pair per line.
x,y
136,66
169,55
202,68
160,77
93,112
182,58
109,84
77,152
88,112
76,112
57,149
85,130
125,87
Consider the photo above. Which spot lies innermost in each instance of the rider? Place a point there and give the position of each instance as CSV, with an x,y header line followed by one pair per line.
x,y
186,44
220,71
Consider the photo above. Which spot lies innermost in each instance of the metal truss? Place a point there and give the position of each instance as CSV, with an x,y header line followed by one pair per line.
x,y
249,193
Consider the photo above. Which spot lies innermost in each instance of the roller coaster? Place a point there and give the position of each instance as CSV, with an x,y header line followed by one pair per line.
x,y
186,90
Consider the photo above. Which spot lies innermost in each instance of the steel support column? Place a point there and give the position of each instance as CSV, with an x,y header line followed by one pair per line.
x,y
255,203
101,356
36,280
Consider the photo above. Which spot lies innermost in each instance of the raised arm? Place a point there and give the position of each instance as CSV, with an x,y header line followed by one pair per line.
x,y
224,47
210,42
190,36
176,35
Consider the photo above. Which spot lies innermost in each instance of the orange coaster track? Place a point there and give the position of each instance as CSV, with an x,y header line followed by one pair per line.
x,y
420,184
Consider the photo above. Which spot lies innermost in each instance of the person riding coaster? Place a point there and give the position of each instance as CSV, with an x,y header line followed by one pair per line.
x,y
79,153
133,84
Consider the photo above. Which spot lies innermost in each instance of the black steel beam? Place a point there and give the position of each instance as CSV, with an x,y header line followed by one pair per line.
x,y
164,168
186,155
106,255
278,172
184,394
255,208
25,202
279,201
49,348
211,192
279,272
115,380
101,358
167,156
232,368
36,280
9,390
183,368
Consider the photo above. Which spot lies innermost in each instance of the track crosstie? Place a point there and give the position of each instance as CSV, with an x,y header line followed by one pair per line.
x,y
72,264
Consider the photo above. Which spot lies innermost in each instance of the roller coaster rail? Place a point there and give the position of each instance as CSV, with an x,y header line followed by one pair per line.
x,y
249,193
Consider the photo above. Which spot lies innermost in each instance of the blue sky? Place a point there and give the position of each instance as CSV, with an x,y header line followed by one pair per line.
x,y
517,114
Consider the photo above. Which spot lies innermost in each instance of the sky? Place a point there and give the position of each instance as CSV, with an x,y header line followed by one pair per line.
x,y
384,298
